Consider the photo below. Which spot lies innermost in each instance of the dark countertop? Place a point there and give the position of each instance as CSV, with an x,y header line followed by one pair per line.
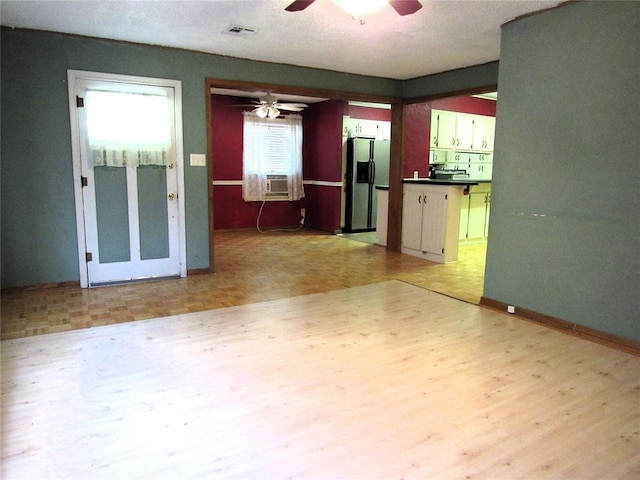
x,y
431,181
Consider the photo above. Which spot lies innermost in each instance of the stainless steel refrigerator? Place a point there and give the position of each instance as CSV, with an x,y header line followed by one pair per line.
x,y
367,166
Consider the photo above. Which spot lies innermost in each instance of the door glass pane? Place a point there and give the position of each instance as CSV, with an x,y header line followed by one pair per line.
x,y
152,212
112,214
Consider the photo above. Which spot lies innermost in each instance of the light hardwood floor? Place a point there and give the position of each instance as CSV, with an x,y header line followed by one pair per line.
x,y
383,380
250,267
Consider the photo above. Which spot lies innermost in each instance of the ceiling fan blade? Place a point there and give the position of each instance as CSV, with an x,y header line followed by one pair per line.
x,y
299,5
254,104
289,108
290,104
405,7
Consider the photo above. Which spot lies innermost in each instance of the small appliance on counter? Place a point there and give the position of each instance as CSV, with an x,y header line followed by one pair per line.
x,y
449,174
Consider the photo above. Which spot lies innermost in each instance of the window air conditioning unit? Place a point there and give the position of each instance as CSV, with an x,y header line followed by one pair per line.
x,y
277,187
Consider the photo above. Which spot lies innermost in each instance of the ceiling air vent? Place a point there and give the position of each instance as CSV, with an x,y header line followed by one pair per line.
x,y
239,31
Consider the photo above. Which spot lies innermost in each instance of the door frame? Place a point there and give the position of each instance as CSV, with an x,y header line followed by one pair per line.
x,y
73,76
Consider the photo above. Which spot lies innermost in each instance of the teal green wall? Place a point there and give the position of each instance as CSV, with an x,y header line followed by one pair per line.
x,y
38,217
461,80
565,213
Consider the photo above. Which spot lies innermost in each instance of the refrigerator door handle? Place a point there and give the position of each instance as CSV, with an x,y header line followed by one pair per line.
x,y
372,174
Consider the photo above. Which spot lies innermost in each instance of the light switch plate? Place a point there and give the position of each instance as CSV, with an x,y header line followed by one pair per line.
x,y
198,160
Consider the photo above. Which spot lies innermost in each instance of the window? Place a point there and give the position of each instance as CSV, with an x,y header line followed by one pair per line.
x,y
271,147
126,128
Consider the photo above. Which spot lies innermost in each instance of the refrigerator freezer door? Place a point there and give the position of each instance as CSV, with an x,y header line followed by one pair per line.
x,y
361,149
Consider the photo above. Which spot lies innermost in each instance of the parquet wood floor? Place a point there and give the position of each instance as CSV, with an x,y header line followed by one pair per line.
x,y
379,381
250,267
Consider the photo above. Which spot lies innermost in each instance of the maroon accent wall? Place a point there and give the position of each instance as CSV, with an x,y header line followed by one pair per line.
x,y
368,113
416,148
418,127
322,162
478,106
226,137
323,140
230,211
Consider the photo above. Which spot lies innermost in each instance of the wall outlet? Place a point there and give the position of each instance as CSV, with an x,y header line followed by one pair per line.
x,y
511,309
415,174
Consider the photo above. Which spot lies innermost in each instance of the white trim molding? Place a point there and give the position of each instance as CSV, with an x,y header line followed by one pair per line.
x,y
319,183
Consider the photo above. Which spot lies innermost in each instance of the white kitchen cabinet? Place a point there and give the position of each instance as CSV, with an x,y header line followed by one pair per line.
x,y
356,127
457,161
483,133
480,171
461,131
475,209
464,132
443,129
430,221
476,165
438,157
450,130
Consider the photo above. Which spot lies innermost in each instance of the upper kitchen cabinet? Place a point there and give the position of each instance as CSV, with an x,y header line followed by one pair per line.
x,y
461,132
483,133
356,127
450,130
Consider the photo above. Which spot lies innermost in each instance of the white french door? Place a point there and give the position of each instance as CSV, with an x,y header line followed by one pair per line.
x,y
131,217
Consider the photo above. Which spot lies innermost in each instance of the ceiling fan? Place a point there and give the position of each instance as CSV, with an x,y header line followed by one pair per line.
x,y
358,8
268,106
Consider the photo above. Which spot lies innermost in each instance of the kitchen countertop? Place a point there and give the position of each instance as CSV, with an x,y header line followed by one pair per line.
x,y
433,181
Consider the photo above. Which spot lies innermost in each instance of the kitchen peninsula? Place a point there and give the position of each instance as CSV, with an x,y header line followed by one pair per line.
x,y
431,218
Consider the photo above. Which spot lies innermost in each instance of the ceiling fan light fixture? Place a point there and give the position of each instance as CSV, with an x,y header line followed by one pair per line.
x,y
273,112
262,112
267,111
360,8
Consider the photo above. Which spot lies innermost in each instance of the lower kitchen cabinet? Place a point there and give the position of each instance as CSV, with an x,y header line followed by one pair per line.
x,y
430,221
474,214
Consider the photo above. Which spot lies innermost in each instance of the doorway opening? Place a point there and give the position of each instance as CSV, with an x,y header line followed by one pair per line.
x,y
399,157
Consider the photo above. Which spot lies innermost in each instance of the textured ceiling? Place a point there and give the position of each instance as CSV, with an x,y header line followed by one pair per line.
x,y
443,35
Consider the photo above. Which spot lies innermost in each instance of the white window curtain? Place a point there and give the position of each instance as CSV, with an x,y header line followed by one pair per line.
x,y
128,129
271,146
